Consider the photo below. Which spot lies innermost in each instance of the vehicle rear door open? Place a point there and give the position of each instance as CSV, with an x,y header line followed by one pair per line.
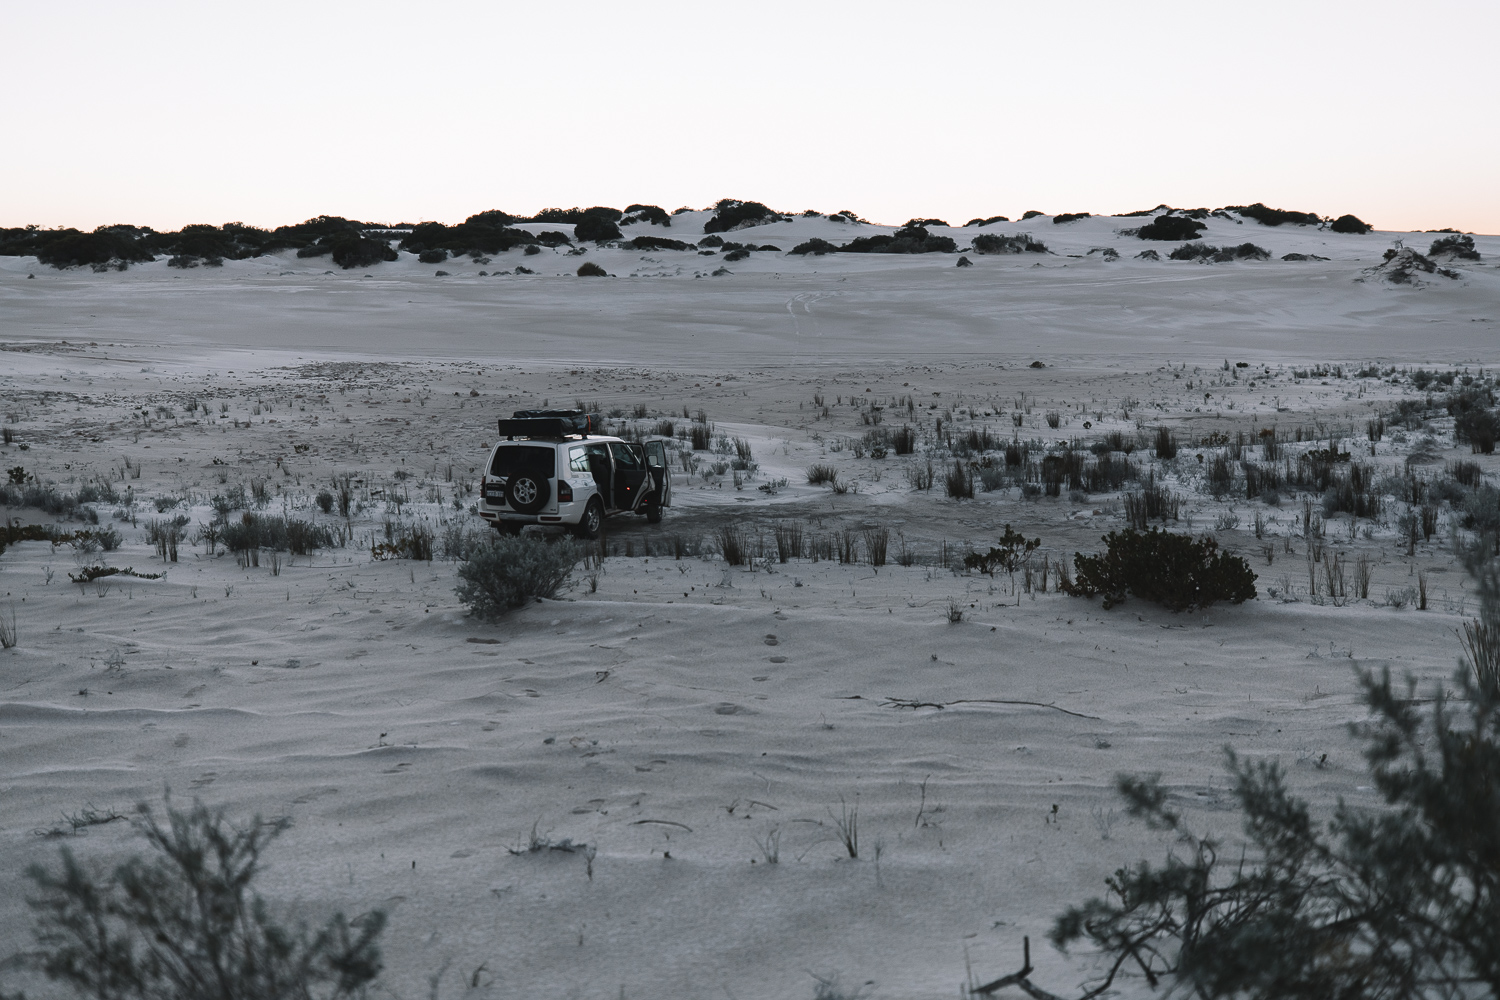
x,y
630,473
661,476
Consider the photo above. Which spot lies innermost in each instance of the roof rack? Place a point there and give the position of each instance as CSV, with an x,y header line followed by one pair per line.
x,y
548,424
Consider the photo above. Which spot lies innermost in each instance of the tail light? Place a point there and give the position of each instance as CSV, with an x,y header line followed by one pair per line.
x,y
564,491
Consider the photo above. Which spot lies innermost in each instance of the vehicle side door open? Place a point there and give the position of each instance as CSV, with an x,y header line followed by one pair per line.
x,y
661,476
630,473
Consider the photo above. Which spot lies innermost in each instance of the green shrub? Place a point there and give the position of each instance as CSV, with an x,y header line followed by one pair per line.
x,y
1019,243
1171,227
1273,216
1156,565
1392,897
596,229
814,246
1460,246
510,571
1350,224
186,924
731,214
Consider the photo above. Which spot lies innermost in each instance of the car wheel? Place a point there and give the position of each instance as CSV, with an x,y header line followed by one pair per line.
x,y
592,521
526,492
653,513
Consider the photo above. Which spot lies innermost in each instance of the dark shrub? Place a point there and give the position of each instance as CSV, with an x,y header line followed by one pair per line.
x,y
359,251
513,570
1070,217
524,270
532,250
1014,549
1156,565
653,214
711,241
432,256
510,571
657,243
1245,251
1148,255
959,481
75,249
589,269
577,215
731,214
1273,216
912,239
1033,214
986,222
1301,256
1350,224
1459,247
493,218
1171,227
735,255
596,229
186,922
926,222
814,246
1019,243
965,262
316,250
548,238
1480,428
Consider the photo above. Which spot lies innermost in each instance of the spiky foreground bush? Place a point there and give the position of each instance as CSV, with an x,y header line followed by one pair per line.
x,y
185,924
1399,899
1172,570
508,572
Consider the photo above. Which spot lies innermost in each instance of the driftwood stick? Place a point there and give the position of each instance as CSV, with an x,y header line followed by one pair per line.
x,y
1015,978
913,703
663,822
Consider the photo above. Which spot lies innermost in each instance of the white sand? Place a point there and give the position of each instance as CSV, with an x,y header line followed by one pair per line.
x,y
654,715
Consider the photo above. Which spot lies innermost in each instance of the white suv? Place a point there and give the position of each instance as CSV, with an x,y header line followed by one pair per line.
x,y
548,469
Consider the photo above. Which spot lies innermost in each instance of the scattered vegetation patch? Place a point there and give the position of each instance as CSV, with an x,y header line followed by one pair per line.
x,y
911,239
1172,570
986,222
1069,217
1274,216
653,214
1019,243
1202,251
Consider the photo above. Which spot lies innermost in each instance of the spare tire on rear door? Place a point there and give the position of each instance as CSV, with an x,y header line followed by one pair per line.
x,y
527,492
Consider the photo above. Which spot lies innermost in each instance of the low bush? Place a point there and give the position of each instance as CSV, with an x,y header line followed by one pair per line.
x,y
911,239
1274,216
736,255
1172,570
359,251
1171,228
588,269
185,923
1457,247
926,222
1165,443
986,222
819,474
731,214
1480,428
1019,243
596,229
432,256
653,214
814,246
510,571
1031,214
1013,550
1069,217
1350,224
958,483
657,243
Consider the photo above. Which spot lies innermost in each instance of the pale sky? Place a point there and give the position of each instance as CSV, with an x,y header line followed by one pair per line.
x,y
163,114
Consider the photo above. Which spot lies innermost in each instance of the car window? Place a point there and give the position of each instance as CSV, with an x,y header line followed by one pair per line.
x,y
508,461
625,457
578,459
